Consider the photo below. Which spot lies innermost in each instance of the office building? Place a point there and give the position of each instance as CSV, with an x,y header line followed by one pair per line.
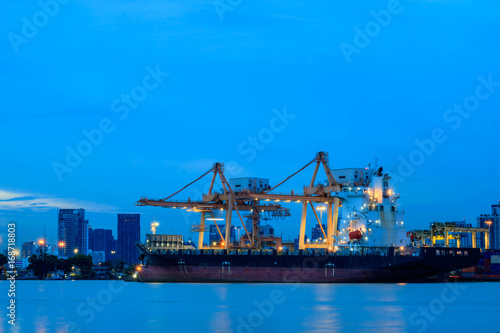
x,y
28,249
102,240
73,232
316,232
97,257
214,236
491,221
129,233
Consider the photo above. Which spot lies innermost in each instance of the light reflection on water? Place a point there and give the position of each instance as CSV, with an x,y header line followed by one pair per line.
x,y
97,306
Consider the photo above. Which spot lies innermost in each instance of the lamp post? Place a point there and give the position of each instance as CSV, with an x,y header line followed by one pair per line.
x,y
321,209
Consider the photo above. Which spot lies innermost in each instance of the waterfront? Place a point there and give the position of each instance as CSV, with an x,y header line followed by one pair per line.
x,y
115,306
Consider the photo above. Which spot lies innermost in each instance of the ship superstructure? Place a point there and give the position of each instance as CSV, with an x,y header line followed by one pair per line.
x,y
369,213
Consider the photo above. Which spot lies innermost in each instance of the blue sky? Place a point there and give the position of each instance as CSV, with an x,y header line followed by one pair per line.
x,y
226,81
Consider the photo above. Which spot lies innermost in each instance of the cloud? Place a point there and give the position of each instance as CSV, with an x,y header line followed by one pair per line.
x,y
18,201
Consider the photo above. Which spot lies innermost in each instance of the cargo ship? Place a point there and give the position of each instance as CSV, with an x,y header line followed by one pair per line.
x,y
363,239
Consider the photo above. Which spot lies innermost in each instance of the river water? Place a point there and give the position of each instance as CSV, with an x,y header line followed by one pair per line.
x,y
117,306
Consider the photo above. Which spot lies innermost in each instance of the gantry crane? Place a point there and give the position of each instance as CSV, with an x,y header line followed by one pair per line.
x,y
255,202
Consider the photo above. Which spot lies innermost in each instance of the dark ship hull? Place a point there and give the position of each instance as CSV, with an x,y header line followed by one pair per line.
x,y
245,266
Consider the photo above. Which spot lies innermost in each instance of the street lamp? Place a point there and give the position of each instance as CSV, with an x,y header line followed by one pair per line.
x,y
41,242
62,244
75,251
321,209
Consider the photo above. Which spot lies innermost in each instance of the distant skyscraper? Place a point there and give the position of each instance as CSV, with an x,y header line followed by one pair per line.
x,y
129,233
316,232
493,224
73,231
102,240
28,249
214,235
91,238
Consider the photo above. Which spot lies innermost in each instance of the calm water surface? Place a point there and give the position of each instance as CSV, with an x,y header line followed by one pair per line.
x,y
115,306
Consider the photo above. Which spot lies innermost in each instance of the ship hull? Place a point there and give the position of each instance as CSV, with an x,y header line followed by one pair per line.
x,y
303,268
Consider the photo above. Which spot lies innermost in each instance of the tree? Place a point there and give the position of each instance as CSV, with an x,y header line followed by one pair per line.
x,y
42,264
3,260
64,265
84,263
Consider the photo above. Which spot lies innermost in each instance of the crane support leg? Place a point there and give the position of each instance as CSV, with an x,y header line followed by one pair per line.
x,y
229,214
303,226
202,231
329,224
335,217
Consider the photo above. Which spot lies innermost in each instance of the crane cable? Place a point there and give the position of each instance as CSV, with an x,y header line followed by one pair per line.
x,y
305,166
206,173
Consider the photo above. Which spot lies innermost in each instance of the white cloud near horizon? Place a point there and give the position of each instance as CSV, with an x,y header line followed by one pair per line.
x,y
15,201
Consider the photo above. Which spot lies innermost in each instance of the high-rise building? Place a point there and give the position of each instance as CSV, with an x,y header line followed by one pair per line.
x,y
316,232
129,233
28,249
214,235
97,257
102,240
491,221
91,238
73,231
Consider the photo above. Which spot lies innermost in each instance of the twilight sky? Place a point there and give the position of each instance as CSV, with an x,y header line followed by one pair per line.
x,y
105,102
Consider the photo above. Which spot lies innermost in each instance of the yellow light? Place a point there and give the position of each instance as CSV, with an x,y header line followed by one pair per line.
x,y
61,244
280,248
402,248
223,244
75,250
41,242
138,268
